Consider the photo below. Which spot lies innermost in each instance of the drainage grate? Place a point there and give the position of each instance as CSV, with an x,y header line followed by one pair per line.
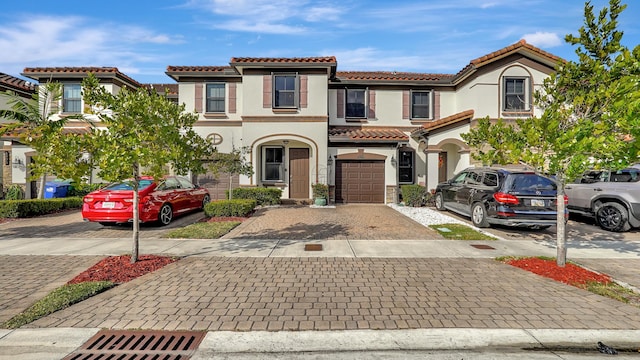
x,y
313,247
483,247
128,344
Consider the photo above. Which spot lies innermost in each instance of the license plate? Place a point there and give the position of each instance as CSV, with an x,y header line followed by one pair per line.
x,y
108,205
537,202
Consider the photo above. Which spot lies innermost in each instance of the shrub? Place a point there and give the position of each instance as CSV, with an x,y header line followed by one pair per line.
x,y
36,207
262,195
234,207
14,192
320,191
415,195
82,189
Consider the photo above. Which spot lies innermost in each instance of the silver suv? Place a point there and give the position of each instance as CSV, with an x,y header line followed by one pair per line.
x,y
612,197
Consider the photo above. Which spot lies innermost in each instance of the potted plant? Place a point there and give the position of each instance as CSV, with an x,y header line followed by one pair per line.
x,y
320,194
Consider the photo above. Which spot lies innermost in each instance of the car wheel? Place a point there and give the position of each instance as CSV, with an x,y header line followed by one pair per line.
x,y
613,217
205,200
439,201
166,214
479,215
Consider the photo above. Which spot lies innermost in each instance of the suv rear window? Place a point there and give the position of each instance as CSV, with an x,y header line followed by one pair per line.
x,y
625,176
530,183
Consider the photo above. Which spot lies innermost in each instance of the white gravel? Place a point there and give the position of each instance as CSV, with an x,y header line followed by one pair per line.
x,y
426,216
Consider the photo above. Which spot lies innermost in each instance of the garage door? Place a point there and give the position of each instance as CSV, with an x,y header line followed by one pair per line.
x,y
360,181
217,184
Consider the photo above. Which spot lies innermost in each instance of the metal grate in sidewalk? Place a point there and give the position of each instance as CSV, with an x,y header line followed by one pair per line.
x,y
132,344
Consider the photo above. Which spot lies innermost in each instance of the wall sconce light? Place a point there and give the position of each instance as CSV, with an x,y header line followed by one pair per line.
x,y
393,161
330,160
17,162
7,158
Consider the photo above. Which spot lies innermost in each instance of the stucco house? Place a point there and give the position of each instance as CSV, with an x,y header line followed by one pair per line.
x,y
365,134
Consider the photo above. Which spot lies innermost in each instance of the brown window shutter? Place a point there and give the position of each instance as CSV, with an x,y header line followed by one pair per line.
x,y
266,91
232,98
406,103
199,97
340,104
372,104
304,90
436,105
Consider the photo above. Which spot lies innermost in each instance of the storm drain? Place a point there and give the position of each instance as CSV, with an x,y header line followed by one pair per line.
x,y
129,345
312,247
483,247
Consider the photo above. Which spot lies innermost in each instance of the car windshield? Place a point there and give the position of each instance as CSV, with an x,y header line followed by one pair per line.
x,y
126,185
525,183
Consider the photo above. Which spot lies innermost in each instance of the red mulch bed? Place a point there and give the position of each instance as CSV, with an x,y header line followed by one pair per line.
x,y
119,269
569,274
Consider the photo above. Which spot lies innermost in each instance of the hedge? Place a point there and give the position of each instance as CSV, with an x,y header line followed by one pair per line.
x,y
234,207
36,207
262,195
415,195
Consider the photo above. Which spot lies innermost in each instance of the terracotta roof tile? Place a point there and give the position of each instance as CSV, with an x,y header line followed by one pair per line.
x,y
452,119
367,134
297,60
162,88
16,83
520,44
391,76
191,69
79,70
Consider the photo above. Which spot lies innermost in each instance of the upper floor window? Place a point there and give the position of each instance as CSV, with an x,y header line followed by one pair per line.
x,y
356,104
285,91
215,97
405,166
273,164
421,105
516,94
72,98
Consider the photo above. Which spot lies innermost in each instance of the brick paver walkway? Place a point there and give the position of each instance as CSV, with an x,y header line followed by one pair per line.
x,y
336,293
353,222
27,279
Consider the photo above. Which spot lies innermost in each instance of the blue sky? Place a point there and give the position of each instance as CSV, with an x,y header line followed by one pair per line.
x,y
142,37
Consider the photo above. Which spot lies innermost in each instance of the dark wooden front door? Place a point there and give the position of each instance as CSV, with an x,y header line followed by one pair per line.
x,y
442,167
299,173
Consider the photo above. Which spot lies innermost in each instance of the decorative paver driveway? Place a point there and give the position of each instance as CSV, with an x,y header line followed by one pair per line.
x,y
343,222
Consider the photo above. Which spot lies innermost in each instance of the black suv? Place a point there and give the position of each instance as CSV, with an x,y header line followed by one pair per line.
x,y
505,196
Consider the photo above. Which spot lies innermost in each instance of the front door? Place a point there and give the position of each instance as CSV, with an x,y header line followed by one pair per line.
x,y
298,173
442,167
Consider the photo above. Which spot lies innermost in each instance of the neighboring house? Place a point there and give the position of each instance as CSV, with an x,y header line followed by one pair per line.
x,y
10,162
364,133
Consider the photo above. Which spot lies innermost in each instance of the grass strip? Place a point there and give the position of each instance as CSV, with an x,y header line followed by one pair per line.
x,y
58,299
460,232
203,230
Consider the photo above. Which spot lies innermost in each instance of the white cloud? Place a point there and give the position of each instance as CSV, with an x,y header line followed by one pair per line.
x,y
543,39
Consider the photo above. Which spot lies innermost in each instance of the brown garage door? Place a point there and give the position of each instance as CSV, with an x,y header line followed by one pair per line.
x,y
360,181
217,184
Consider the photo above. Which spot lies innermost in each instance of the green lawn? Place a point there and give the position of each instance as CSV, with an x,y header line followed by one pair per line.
x,y
203,230
460,232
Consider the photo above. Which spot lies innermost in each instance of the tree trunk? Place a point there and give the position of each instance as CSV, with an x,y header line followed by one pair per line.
x,y
136,216
43,183
230,185
561,235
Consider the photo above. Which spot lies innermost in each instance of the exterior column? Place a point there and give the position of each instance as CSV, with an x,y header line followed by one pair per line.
x,y
465,156
432,168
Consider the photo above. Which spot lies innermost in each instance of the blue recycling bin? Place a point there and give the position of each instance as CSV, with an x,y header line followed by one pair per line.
x,y
56,189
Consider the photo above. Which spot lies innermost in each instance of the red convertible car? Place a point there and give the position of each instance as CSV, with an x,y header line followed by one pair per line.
x,y
159,201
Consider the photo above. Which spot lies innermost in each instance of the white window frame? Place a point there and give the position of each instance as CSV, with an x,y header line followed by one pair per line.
x,y
366,103
296,90
429,104
264,164
526,94
207,98
65,99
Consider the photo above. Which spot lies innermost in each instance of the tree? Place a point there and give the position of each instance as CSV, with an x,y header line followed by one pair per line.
x,y
32,123
141,130
233,163
586,120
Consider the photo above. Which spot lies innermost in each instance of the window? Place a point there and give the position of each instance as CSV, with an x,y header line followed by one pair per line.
x,y
405,166
72,98
215,97
490,179
285,91
515,95
273,164
474,178
356,104
459,180
421,104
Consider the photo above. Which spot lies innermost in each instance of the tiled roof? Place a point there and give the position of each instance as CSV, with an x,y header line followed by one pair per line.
x,y
390,75
16,83
162,88
367,134
16,133
191,69
452,119
79,70
297,60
